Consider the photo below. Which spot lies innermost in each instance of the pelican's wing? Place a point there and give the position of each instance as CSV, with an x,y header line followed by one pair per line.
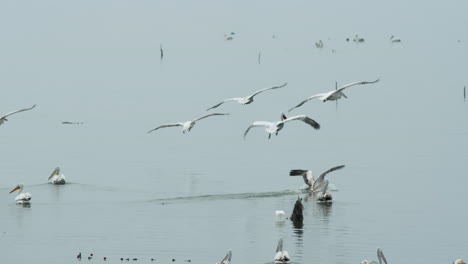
x,y
354,83
205,116
306,100
55,172
279,248
14,112
380,255
271,88
167,125
321,178
227,258
257,124
302,173
227,100
304,119
320,186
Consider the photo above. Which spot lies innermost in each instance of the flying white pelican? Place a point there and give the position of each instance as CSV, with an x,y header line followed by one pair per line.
x,y
226,259
275,127
332,95
281,256
248,99
3,118
188,125
319,44
380,256
309,177
56,177
394,39
21,198
358,39
459,261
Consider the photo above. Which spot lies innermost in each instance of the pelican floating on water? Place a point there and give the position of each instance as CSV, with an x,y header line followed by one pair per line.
x,y
323,193
226,259
4,117
380,256
275,127
56,177
459,261
248,99
332,95
21,198
188,125
281,256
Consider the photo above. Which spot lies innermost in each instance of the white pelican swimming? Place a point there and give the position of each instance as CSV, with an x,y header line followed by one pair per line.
x,y
380,256
394,39
275,127
56,177
309,177
248,99
332,95
459,261
21,198
322,192
281,256
358,39
226,259
188,125
4,117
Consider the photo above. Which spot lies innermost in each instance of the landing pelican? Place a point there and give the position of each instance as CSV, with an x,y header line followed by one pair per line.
x,y
459,261
281,256
380,256
56,177
309,177
226,259
248,99
332,95
21,198
188,125
4,118
275,127
323,193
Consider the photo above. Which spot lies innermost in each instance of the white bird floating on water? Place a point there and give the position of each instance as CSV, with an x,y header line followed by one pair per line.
x,y
248,99
459,261
275,127
21,198
380,256
281,256
188,125
279,215
56,177
394,39
226,259
4,118
332,95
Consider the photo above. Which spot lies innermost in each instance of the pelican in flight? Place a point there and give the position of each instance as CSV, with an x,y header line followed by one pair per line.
x,y
56,177
275,127
21,198
281,256
4,118
188,125
332,95
459,261
248,99
309,177
380,256
226,259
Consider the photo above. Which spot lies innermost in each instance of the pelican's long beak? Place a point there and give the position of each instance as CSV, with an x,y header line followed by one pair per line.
x,y
55,172
16,188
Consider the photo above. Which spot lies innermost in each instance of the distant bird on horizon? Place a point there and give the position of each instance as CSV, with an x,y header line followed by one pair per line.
x,y
358,39
4,117
394,39
187,125
226,259
380,256
21,198
275,127
332,95
281,256
248,99
319,44
79,256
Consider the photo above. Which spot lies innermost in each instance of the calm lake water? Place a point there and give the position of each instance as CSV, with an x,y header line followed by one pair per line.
x,y
194,196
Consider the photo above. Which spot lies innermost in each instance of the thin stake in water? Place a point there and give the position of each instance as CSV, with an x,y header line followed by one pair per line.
x,y
259,57
162,53
464,93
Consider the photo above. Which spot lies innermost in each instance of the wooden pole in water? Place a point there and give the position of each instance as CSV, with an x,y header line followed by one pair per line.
x,y
162,53
259,57
464,93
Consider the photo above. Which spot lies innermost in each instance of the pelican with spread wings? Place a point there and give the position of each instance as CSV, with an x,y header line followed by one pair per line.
x,y
187,125
309,177
4,117
248,99
332,95
275,127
